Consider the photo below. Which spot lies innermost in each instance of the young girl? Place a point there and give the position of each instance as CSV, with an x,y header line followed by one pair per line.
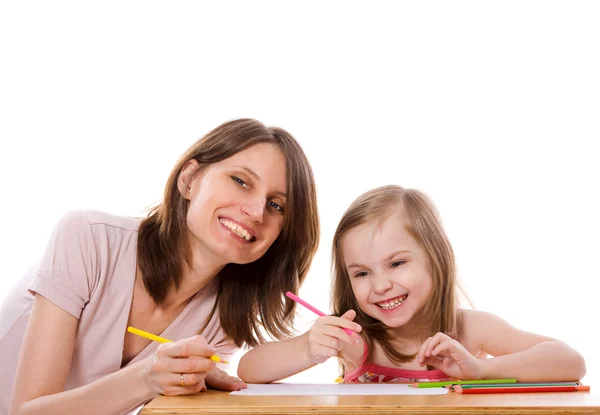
x,y
395,285
237,226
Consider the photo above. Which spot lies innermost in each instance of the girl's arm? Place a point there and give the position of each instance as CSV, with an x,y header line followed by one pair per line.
x,y
45,361
273,361
528,357
276,360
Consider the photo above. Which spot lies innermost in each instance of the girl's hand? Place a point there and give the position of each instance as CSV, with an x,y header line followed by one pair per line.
x,y
448,355
326,337
219,379
180,368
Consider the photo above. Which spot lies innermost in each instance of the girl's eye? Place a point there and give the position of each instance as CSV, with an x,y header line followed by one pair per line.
x,y
239,181
361,274
396,264
276,207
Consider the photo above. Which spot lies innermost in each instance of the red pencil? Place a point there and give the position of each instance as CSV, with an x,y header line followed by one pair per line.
x,y
524,389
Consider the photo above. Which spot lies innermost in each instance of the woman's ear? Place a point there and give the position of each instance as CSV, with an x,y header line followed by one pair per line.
x,y
184,181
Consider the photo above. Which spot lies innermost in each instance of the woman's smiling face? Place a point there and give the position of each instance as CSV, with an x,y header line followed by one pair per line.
x,y
237,205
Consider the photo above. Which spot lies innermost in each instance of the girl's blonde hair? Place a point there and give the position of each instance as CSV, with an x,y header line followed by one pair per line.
x,y
423,223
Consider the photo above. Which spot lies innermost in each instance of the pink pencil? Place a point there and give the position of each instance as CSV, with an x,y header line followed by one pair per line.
x,y
311,308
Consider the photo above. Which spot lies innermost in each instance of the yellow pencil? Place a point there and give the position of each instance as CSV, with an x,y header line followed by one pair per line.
x,y
159,339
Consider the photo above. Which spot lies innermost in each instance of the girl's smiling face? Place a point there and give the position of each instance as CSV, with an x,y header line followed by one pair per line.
x,y
389,271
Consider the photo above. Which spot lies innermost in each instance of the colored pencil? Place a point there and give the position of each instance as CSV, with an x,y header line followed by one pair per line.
x,y
518,385
159,339
459,382
311,308
525,389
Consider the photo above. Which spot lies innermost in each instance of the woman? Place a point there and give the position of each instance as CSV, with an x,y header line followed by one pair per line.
x,y
237,228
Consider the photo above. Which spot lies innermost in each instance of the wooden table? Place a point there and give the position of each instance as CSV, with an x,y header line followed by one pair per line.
x,y
217,402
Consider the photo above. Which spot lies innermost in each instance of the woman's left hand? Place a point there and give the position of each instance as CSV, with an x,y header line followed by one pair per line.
x,y
448,355
218,379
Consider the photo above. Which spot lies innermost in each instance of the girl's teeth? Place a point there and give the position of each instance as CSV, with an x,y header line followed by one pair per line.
x,y
392,304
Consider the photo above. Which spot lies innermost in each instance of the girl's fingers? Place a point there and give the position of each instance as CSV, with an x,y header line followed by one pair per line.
x,y
434,361
435,340
340,322
445,346
421,353
329,342
338,334
349,315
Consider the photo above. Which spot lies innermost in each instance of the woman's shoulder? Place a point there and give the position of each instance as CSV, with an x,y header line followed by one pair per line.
x,y
81,221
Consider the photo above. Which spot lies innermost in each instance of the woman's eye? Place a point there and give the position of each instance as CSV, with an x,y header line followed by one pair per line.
x,y
276,207
239,181
396,264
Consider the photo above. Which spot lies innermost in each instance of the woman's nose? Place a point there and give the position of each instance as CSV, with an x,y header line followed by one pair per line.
x,y
255,210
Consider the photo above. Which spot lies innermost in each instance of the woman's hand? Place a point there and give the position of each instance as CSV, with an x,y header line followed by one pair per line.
x,y
219,379
326,337
180,368
448,355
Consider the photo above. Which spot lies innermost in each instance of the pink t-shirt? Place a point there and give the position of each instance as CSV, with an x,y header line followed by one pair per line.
x,y
372,373
89,270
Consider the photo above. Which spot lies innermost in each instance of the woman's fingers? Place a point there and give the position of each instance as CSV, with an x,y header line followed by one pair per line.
x,y
175,388
187,380
193,364
194,346
219,379
181,368
185,356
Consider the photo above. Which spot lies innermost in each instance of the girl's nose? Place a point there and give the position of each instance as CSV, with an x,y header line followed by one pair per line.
x,y
381,284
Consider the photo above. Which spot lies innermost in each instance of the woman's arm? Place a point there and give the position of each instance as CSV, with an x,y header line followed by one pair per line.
x,y
45,361
44,364
528,357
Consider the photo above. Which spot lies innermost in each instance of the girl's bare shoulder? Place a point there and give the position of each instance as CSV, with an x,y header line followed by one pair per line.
x,y
473,324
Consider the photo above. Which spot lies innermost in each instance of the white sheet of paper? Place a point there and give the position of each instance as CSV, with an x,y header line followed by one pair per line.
x,y
306,389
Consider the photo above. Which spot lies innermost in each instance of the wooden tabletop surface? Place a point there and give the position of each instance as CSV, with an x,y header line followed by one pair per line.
x,y
218,402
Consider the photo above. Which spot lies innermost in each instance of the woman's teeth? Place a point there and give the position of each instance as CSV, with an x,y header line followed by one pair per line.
x,y
389,305
238,230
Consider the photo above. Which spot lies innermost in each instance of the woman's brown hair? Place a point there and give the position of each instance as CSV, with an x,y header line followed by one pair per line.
x,y
250,295
423,223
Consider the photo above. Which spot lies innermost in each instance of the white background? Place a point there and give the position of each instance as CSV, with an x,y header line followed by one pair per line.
x,y
491,108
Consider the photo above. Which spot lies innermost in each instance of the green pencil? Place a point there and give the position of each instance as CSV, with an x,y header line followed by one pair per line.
x,y
517,385
460,382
